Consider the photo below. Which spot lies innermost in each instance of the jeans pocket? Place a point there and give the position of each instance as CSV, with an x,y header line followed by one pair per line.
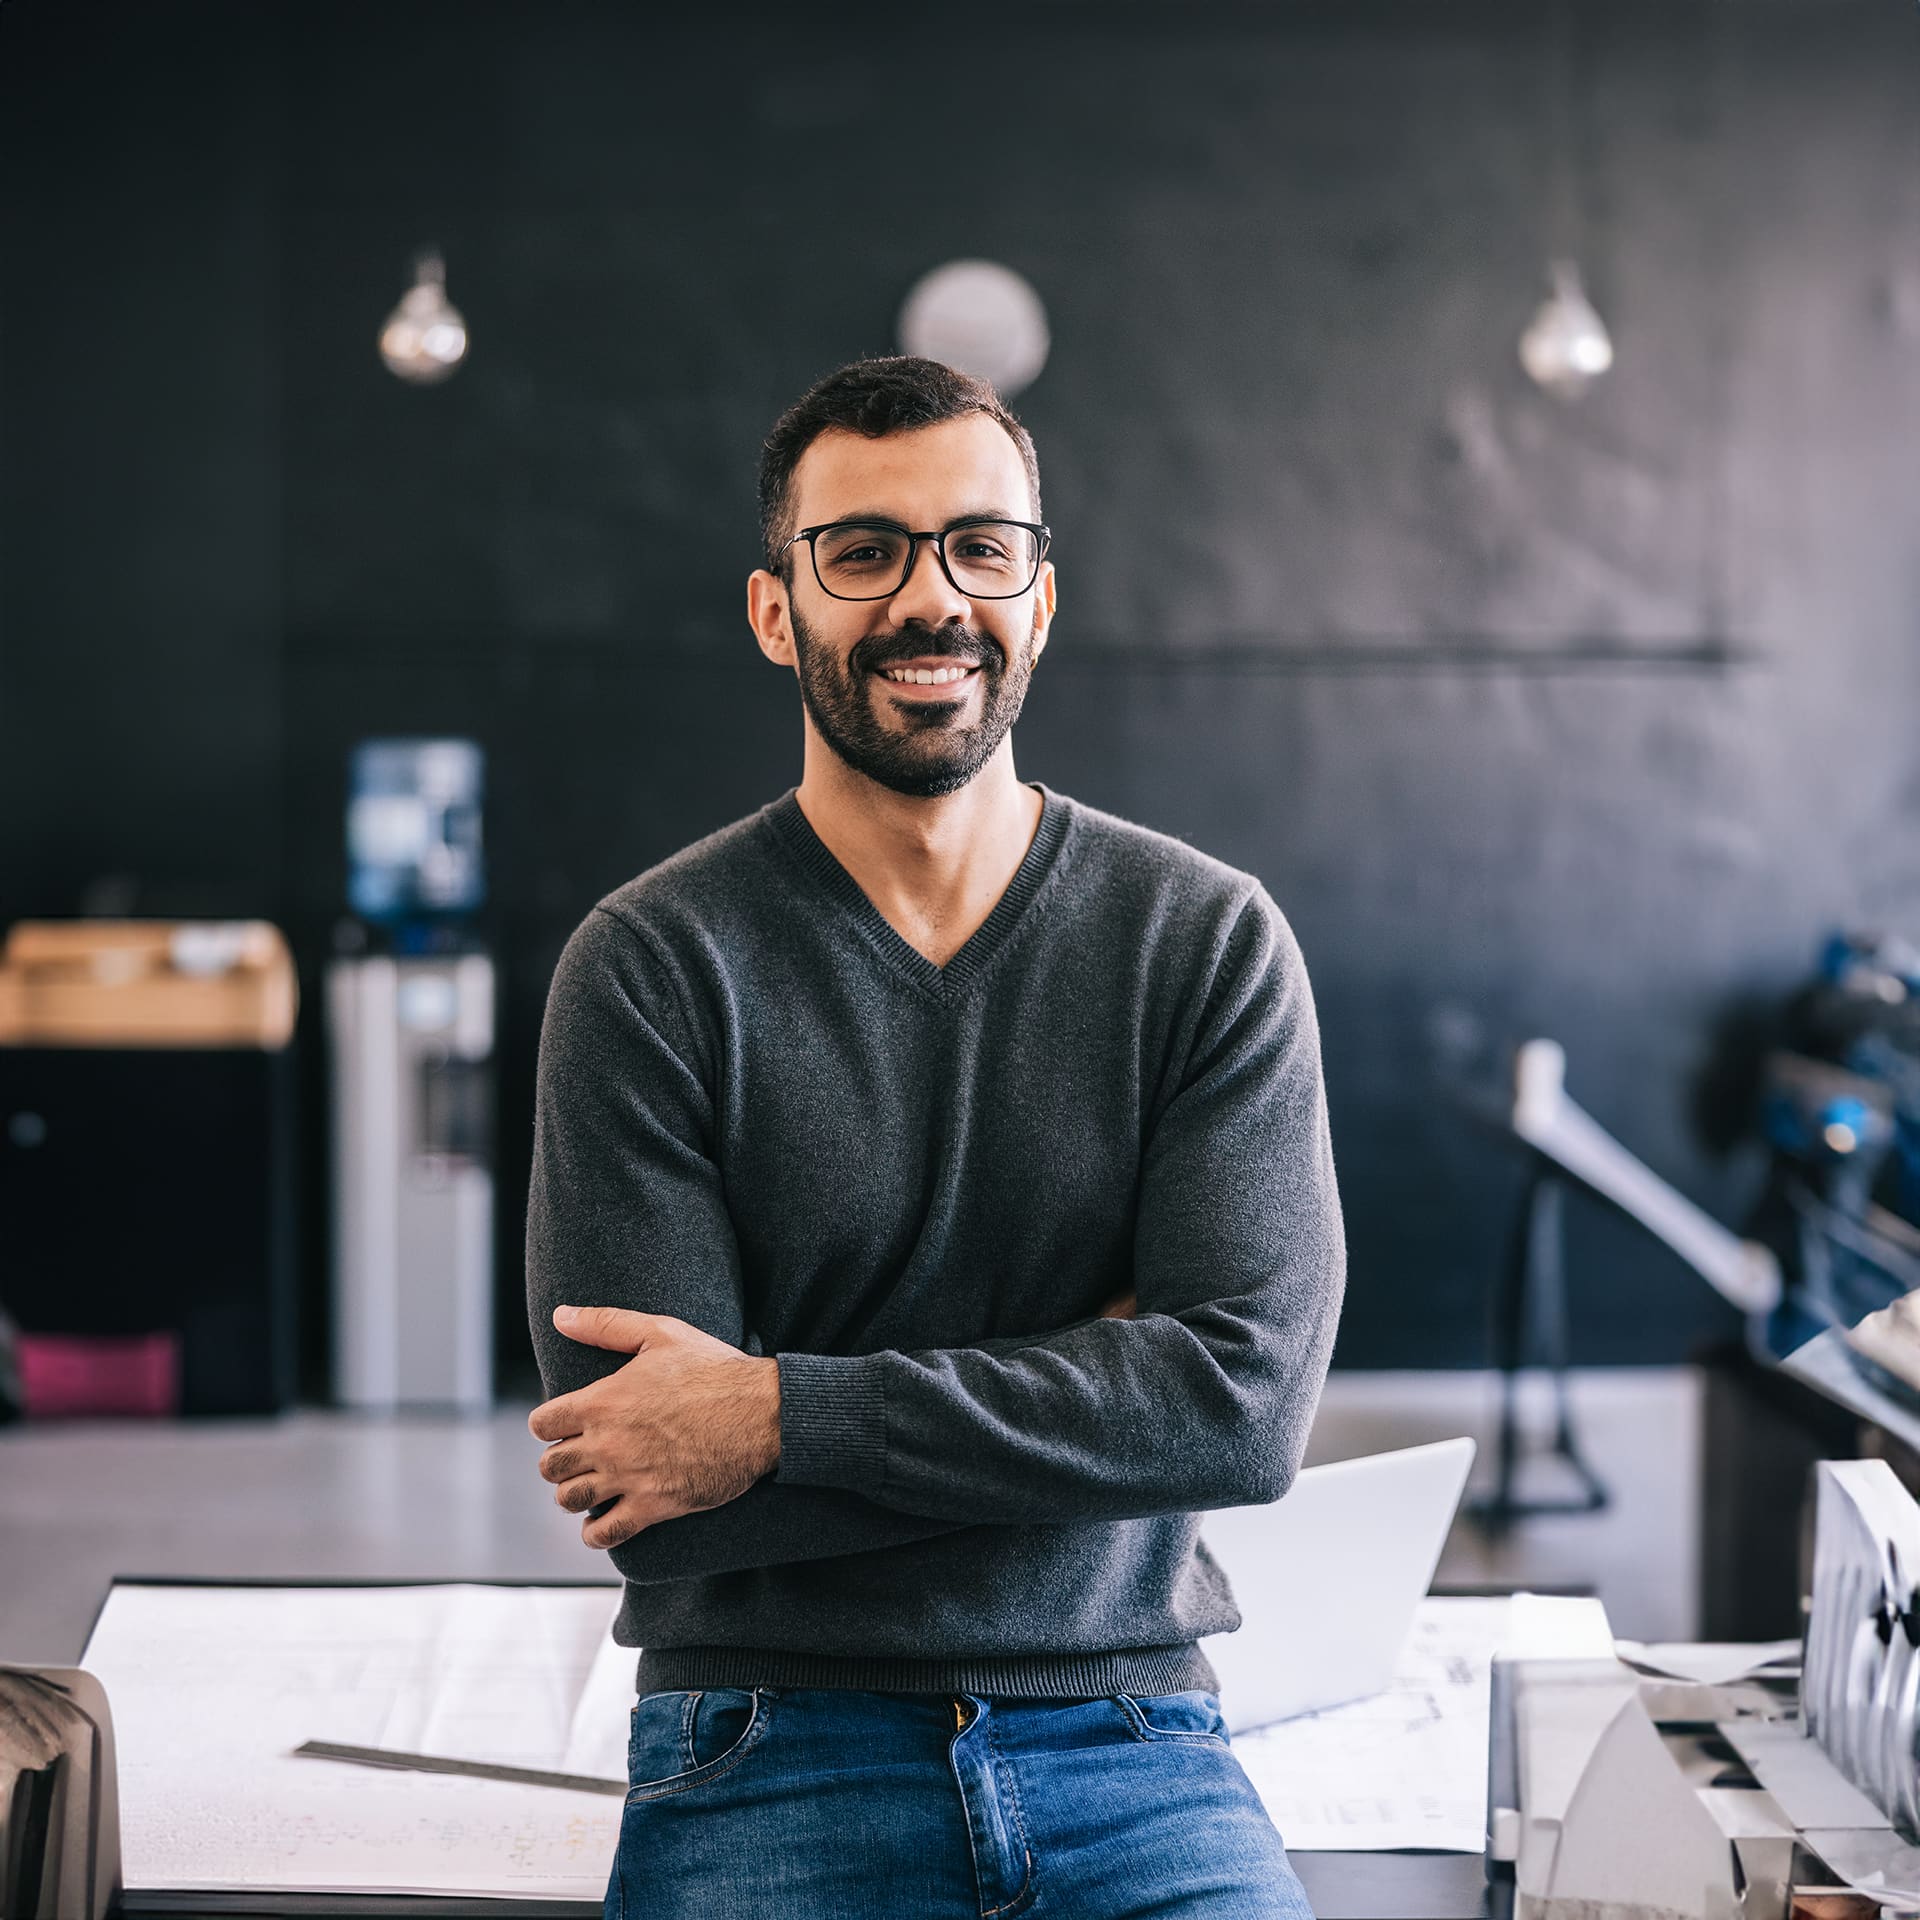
x,y
686,1737
1193,1715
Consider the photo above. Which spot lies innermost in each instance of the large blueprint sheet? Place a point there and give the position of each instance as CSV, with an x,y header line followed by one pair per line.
x,y
213,1687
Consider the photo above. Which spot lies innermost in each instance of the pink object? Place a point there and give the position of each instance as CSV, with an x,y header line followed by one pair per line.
x,y
63,1375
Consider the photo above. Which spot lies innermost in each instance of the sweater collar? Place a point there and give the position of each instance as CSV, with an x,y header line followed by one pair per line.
x,y
796,834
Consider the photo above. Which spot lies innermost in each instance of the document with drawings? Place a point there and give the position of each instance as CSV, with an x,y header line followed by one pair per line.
x,y
213,1687
1408,1768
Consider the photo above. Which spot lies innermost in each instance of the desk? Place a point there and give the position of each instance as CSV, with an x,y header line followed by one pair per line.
x,y
1341,1886
272,1500
1401,1886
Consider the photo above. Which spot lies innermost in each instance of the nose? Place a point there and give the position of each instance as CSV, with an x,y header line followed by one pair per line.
x,y
927,595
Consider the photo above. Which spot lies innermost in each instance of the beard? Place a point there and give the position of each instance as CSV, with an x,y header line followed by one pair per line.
x,y
929,749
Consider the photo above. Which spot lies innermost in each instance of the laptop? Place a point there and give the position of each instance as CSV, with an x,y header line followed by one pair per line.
x,y
1328,1578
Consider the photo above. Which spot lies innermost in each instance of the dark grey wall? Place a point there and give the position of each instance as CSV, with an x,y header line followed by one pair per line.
x,y
1586,721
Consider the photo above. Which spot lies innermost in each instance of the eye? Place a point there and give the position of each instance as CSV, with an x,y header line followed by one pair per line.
x,y
857,549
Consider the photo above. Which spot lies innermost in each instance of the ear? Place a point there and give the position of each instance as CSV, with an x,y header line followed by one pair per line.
x,y
767,616
1043,602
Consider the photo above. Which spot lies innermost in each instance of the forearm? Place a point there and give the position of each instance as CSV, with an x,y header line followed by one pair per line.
x,y
775,1524
770,1525
1109,1421
1204,1399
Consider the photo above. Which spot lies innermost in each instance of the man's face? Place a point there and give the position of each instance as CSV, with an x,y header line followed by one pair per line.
x,y
917,740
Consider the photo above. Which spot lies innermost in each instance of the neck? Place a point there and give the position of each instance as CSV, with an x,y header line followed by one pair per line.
x,y
942,862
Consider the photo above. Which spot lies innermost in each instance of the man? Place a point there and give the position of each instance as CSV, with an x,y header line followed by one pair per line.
x,y
937,1170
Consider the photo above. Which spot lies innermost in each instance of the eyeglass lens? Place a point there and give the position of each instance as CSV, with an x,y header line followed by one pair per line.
x,y
995,559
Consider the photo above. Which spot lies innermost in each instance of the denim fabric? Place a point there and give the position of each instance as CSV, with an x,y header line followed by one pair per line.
x,y
814,1803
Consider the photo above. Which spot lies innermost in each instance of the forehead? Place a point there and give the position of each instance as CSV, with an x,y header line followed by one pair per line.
x,y
925,476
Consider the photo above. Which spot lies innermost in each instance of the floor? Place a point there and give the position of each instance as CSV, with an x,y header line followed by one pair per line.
x,y
327,1493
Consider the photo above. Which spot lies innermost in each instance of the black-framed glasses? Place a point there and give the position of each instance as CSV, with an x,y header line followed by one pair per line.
x,y
871,559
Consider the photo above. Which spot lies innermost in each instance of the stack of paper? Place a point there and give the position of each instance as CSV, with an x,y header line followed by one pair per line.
x,y
1408,1768
212,1688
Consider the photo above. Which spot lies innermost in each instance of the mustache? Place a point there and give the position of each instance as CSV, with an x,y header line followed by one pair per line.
x,y
911,643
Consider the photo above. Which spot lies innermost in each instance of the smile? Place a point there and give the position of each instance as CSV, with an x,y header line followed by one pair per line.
x,y
926,676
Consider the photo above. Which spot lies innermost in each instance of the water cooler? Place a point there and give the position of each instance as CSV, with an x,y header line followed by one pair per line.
x,y
410,1005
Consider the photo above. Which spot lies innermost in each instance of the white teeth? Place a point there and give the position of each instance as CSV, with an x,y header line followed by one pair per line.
x,y
927,676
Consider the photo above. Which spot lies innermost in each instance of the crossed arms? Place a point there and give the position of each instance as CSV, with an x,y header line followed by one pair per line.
x,y
1200,1398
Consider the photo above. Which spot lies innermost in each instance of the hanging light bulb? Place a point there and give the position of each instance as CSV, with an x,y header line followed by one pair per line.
x,y
981,317
1567,347
424,338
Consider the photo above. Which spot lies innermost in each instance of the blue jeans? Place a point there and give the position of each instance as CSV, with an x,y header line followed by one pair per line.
x,y
818,1803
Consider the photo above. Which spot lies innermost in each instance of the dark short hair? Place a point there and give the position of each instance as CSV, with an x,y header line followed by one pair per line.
x,y
892,393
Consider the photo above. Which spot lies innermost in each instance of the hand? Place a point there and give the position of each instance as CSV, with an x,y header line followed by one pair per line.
x,y
1120,1307
688,1423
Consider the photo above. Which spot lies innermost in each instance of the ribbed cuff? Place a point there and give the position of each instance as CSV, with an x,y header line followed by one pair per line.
x,y
833,1421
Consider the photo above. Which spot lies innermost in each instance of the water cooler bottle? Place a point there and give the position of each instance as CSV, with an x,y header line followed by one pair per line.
x,y
411,1027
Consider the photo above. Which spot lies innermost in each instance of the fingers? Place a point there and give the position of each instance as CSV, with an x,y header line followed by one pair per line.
x,y
613,1528
611,1518
560,1463
578,1494
617,1327
556,1420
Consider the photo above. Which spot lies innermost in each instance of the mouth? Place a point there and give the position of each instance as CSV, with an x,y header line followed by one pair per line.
x,y
930,680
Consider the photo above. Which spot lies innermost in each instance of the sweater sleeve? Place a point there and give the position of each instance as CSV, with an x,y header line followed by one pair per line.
x,y
1204,1398
625,1209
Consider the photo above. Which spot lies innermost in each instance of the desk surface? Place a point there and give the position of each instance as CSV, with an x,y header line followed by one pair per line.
x,y
1399,1886
1341,1886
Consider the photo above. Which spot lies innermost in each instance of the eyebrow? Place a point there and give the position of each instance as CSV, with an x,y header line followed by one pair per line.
x,y
893,519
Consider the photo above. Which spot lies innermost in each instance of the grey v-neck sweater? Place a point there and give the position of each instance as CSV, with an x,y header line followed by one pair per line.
x,y
760,1110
